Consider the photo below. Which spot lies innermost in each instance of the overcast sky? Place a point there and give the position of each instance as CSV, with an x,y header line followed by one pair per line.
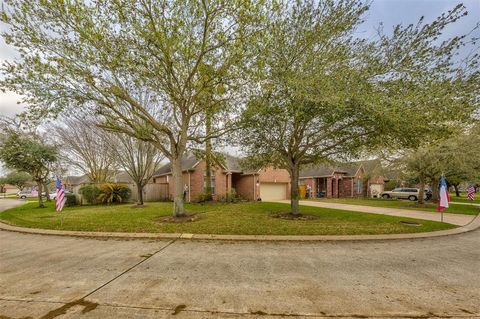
x,y
390,12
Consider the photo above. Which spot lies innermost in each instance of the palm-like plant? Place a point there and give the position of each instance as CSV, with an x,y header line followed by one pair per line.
x,y
113,193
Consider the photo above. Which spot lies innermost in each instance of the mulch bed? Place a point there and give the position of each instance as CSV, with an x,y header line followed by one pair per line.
x,y
290,216
180,220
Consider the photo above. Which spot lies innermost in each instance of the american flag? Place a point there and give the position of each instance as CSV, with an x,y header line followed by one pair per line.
x,y
443,197
471,192
60,196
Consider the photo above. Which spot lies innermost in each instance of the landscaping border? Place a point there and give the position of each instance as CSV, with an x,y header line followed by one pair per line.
x,y
473,225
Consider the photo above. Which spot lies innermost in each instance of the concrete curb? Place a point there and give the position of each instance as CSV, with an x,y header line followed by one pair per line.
x,y
473,225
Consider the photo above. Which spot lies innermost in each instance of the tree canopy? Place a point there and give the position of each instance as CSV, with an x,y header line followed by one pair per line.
x,y
18,179
323,94
26,154
141,66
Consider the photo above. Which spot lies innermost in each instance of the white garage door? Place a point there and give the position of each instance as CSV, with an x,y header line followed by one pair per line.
x,y
273,191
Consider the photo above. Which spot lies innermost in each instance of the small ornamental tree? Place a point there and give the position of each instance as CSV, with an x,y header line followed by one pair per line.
x,y
18,179
455,158
26,154
139,159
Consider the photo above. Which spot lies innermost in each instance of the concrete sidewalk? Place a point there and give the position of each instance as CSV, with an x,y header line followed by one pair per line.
x,y
462,203
455,219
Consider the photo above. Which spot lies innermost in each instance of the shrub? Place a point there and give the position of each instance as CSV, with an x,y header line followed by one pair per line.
x,y
202,197
71,200
231,196
114,193
90,193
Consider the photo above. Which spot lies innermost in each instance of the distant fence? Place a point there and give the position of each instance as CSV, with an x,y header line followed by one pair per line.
x,y
151,192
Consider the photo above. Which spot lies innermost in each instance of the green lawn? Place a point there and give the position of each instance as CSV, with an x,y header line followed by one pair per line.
x,y
404,204
463,198
241,218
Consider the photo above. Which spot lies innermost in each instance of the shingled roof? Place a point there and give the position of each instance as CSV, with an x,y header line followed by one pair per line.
x,y
232,164
349,169
329,170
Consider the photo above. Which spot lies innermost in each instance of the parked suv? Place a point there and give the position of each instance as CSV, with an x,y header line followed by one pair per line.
x,y
24,194
402,193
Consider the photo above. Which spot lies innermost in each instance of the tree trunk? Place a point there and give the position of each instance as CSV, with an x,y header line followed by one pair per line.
x,y
421,191
139,194
177,174
47,193
457,191
435,182
208,157
40,201
294,193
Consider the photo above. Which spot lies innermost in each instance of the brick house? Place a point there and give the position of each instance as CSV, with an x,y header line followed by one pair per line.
x,y
266,184
358,179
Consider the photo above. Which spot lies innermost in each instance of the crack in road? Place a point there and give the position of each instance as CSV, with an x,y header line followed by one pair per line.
x,y
91,306
88,305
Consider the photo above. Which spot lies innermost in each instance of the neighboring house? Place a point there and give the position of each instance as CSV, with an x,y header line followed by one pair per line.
x,y
8,189
268,184
74,183
358,179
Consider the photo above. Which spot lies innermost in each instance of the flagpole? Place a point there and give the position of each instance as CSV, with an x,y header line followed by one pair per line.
x,y
443,176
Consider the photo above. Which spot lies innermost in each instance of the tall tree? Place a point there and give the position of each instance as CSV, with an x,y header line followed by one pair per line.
x,y
139,159
140,65
24,153
323,94
84,146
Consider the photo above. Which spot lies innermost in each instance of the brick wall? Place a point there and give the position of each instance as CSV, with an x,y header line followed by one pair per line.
x,y
244,186
195,179
329,193
274,175
346,187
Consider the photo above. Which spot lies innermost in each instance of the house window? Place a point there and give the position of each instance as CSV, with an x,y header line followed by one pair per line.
x,y
301,182
359,186
212,178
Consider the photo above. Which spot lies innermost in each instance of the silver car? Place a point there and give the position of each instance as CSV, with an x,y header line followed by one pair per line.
x,y
402,193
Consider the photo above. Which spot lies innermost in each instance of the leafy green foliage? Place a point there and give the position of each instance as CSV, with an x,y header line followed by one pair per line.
x,y
325,95
71,200
143,67
456,158
26,153
114,193
18,179
90,193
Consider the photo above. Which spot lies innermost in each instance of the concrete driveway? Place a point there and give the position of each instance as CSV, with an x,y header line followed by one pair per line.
x,y
454,219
